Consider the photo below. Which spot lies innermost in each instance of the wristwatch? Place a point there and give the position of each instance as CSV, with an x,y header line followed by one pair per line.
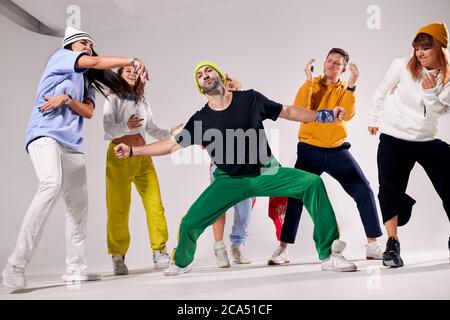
x,y
351,88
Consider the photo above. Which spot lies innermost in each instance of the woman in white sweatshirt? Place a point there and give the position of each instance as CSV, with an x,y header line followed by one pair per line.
x,y
126,119
406,108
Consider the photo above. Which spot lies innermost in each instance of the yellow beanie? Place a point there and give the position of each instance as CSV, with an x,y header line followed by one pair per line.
x,y
212,65
437,30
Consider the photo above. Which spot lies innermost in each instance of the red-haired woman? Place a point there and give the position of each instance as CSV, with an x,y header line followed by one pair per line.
x,y
406,107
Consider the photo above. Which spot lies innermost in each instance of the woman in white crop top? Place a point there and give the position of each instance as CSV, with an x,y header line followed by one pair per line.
x,y
126,119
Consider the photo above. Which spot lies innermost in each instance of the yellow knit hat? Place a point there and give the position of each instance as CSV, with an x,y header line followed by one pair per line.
x,y
212,65
437,30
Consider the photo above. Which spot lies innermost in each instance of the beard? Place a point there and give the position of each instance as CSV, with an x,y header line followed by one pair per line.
x,y
214,85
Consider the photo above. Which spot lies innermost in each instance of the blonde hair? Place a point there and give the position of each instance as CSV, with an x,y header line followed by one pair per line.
x,y
236,84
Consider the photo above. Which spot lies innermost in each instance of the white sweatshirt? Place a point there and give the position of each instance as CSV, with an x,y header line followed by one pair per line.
x,y
402,109
116,113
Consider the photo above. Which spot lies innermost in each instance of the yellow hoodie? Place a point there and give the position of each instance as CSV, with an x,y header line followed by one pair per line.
x,y
317,95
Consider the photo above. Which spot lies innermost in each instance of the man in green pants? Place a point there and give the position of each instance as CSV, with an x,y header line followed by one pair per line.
x,y
230,127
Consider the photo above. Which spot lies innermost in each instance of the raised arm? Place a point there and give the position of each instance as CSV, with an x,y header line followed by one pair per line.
x,y
303,97
106,63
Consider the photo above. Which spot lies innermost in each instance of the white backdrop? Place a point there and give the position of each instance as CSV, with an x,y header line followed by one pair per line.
x,y
265,45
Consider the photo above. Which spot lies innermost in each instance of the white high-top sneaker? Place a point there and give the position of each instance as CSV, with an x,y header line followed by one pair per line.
x,y
374,251
119,266
336,261
161,260
239,255
220,251
279,257
79,274
174,270
14,277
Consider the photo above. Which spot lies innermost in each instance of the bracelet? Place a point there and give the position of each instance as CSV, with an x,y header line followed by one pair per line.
x,y
69,99
131,151
325,116
352,89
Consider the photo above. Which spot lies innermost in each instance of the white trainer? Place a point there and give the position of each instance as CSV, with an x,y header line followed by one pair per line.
x,y
221,255
174,270
239,255
119,266
374,251
161,260
336,261
14,277
80,274
279,257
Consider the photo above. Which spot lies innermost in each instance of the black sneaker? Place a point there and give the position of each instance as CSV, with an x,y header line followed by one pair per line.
x,y
391,257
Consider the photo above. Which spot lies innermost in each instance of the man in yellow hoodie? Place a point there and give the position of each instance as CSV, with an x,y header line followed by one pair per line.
x,y
322,148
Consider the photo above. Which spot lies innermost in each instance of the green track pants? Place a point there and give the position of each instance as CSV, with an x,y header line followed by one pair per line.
x,y
274,180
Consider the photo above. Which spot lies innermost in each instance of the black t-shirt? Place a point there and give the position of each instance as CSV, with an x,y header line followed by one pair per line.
x,y
234,138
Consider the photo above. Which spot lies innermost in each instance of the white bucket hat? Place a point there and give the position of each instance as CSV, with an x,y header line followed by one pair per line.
x,y
73,35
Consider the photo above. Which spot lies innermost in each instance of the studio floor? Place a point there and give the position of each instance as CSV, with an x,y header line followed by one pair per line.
x,y
423,277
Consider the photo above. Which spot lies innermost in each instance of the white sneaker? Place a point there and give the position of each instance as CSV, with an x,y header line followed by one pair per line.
x,y
80,274
161,260
14,277
374,251
336,261
221,255
119,266
239,255
279,256
174,270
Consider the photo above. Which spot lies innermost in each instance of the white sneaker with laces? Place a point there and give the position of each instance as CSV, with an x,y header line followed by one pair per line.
x,y
14,277
221,254
374,251
161,260
174,270
239,255
336,261
119,266
80,274
279,257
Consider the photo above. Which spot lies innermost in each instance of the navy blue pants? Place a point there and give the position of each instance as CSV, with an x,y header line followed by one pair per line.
x,y
340,164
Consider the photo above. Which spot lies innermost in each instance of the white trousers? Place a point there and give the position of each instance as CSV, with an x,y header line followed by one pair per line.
x,y
58,172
